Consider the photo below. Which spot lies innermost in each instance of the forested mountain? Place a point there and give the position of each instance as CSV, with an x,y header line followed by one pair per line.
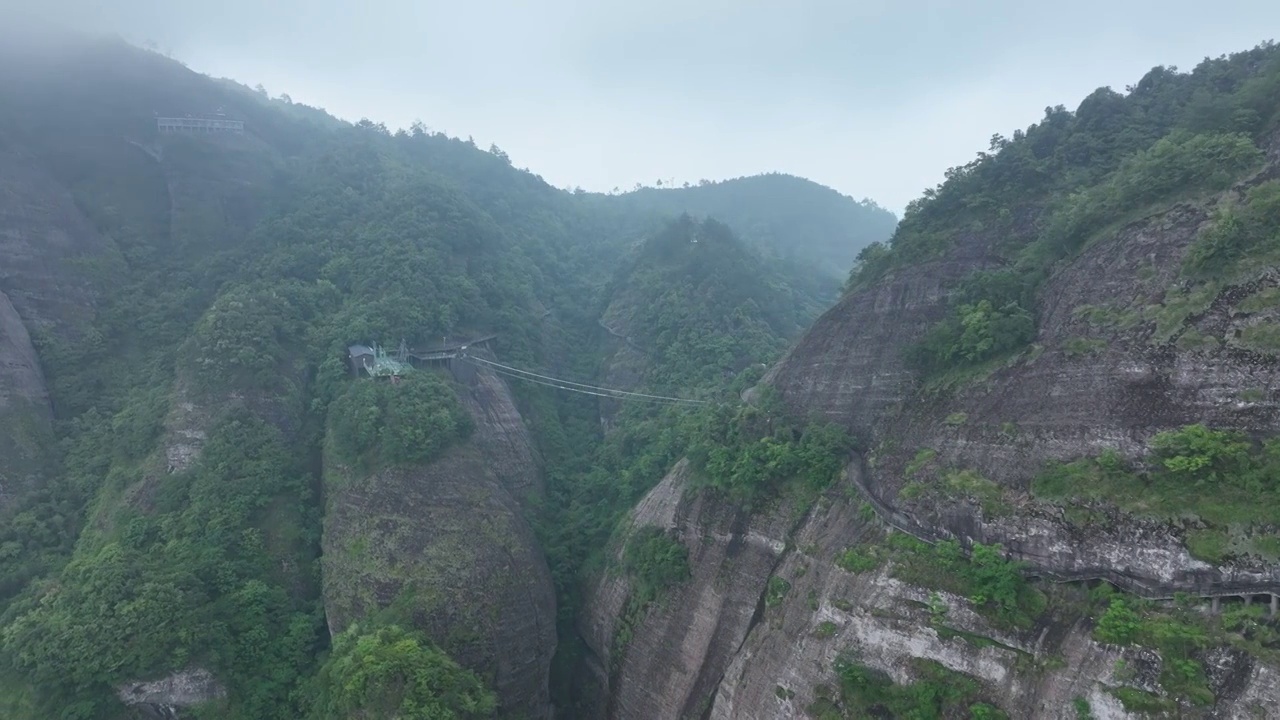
x,y
206,515
786,217
1024,467
1061,379
699,305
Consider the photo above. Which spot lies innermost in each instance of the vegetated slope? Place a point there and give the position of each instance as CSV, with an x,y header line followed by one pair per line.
x,y
785,217
692,314
246,265
190,301
1064,358
691,307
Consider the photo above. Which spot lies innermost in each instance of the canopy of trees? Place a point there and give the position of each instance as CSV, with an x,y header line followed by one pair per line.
x,y
236,271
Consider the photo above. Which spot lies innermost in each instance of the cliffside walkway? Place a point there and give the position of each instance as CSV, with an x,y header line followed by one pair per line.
x,y
1147,588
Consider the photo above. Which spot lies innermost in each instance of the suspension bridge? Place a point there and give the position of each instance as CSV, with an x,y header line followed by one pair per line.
x,y
569,385
461,359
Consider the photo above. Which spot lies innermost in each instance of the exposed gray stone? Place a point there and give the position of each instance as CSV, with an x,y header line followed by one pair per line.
x,y
165,698
454,533
1062,401
681,646
25,414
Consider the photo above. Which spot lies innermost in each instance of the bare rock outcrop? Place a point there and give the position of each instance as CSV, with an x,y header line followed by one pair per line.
x,y
450,539
164,699
42,235
1125,350
886,624
25,413
503,439
714,647
1104,375
681,646
1121,355
848,368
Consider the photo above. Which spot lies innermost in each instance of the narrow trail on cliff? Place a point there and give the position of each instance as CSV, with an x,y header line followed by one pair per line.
x,y
1147,588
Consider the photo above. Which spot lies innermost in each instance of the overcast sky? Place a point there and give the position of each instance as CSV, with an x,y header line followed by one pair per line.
x,y
874,98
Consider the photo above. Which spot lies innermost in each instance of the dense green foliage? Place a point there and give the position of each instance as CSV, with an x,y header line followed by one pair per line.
x,y
1178,165
390,672
233,273
936,693
1112,141
654,562
240,341
1180,636
788,218
748,452
1187,639
1227,480
995,312
1242,237
992,317
702,307
1048,192
195,579
994,584
378,424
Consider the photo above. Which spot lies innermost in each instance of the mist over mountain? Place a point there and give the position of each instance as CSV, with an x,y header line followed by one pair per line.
x,y
207,513
309,418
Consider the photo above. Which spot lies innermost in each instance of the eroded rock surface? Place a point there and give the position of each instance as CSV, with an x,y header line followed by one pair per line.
x,y
886,623
451,537
42,234
164,699
1115,362
25,414
681,647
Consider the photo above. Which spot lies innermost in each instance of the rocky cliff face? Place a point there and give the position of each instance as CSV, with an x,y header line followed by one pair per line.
x,y
1121,355
164,699
449,542
42,236
680,649
1117,360
886,624
24,408
848,367
725,647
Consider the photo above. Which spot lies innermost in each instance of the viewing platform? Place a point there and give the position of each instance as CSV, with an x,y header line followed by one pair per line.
x,y
199,125
375,362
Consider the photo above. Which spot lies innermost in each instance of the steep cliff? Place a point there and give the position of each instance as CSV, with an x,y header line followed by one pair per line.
x,y
680,647
24,409
773,611
45,241
789,665
1127,346
1028,364
446,545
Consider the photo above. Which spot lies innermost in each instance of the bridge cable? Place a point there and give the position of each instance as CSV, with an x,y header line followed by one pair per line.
x,y
610,394
584,388
615,391
531,373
